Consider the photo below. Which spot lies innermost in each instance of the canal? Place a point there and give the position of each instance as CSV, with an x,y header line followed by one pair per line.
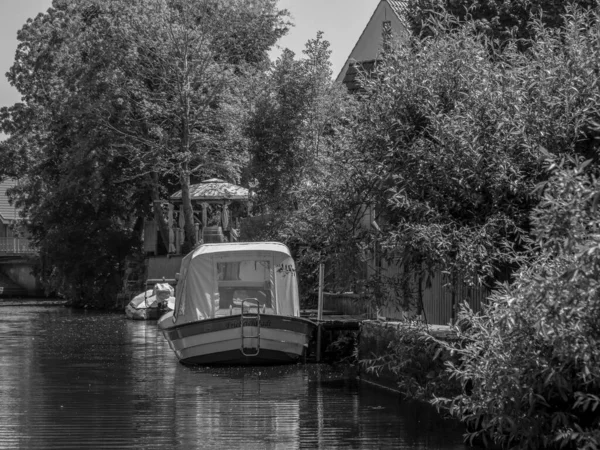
x,y
73,379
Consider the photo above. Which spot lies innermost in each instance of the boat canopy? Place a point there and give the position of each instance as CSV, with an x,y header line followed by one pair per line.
x,y
215,279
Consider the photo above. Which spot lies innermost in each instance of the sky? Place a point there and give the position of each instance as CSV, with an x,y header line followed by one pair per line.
x,y
342,22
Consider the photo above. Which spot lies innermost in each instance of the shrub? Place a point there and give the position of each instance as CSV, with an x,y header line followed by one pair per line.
x,y
533,357
414,359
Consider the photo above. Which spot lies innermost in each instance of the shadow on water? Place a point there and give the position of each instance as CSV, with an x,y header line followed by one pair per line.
x,y
77,379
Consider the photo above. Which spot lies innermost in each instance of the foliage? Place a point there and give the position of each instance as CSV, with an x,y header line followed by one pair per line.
x,y
116,100
183,83
533,356
416,361
343,349
291,127
299,134
450,143
498,20
78,209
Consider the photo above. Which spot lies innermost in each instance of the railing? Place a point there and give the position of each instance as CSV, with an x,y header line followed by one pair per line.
x,y
15,245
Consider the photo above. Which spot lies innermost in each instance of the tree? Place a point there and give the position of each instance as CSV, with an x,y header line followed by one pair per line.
x,y
299,132
498,20
453,143
185,80
477,161
532,358
102,122
79,212
287,127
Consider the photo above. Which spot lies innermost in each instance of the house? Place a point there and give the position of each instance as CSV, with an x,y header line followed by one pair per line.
x,y
10,242
387,22
437,297
17,257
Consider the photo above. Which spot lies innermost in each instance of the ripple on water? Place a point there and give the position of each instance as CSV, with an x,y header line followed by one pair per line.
x,y
76,379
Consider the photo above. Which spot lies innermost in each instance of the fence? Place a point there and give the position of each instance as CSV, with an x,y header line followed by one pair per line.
x,y
440,300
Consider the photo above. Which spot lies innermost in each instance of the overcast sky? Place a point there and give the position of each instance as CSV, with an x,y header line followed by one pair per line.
x,y
342,21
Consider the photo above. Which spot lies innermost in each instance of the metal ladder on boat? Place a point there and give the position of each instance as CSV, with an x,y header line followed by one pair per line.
x,y
250,319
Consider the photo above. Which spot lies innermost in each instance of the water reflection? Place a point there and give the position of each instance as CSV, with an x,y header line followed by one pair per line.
x,y
73,379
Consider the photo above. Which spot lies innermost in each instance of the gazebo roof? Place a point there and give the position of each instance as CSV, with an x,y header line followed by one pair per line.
x,y
214,189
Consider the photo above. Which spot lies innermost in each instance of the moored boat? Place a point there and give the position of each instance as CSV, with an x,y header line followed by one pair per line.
x,y
152,303
237,303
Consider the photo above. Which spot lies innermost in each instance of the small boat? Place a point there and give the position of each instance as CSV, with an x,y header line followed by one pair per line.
x,y
237,303
152,303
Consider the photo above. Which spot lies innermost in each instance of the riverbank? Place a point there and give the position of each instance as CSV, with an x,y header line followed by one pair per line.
x,y
402,356
87,379
9,301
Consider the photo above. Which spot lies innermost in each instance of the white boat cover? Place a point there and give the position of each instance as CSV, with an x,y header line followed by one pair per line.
x,y
150,298
214,279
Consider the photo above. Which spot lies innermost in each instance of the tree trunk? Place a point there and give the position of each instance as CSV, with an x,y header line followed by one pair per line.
x,y
188,213
190,240
159,218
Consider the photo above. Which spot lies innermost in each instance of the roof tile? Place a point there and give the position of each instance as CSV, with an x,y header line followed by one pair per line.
x,y
400,7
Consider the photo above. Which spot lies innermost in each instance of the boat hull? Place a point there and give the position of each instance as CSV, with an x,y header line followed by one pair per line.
x,y
270,340
150,313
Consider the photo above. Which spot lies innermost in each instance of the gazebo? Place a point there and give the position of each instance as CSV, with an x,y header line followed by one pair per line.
x,y
217,205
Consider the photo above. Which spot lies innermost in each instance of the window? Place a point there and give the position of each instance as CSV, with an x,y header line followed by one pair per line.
x,y
240,280
386,34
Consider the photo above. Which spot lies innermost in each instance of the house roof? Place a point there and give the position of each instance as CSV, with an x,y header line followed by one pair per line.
x,y
351,79
400,7
8,213
368,46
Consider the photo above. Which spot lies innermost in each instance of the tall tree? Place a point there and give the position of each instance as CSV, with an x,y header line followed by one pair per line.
x,y
186,73
299,132
293,125
80,211
115,97
453,143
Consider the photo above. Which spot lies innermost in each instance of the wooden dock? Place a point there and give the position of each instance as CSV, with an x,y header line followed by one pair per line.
x,y
334,325
335,320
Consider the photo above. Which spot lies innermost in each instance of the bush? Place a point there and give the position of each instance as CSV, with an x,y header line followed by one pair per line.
x,y
414,359
451,139
533,357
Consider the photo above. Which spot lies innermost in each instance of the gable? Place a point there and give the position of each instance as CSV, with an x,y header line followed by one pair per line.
x,y
351,78
369,45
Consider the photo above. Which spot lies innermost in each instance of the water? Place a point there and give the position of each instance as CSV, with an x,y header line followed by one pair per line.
x,y
86,380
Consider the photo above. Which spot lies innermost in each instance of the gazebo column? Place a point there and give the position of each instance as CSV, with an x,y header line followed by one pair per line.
x,y
171,244
204,218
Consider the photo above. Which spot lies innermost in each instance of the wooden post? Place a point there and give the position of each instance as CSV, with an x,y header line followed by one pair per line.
x,y
320,312
204,218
